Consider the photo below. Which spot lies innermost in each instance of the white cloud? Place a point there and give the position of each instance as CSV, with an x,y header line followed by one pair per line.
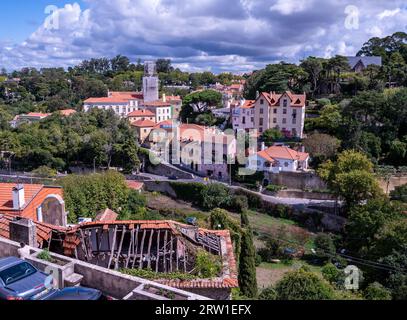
x,y
213,35
388,13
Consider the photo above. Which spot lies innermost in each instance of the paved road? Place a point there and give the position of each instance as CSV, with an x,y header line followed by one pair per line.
x,y
271,199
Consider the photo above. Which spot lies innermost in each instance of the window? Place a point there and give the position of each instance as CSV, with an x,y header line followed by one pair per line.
x,y
261,101
275,111
252,119
284,121
261,111
285,103
261,130
294,121
275,120
261,121
17,272
244,120
284,111
286,164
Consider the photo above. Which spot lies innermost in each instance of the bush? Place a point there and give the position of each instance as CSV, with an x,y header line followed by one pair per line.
x,y
325,246
45,172
207,265
268,294
332,274
375,291
191,192
215,195
45,255
274,188
399,194
303,285
323,102
239,203
254,200
259,260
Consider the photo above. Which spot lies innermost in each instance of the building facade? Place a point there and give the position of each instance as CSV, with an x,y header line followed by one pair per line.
x,y
285,112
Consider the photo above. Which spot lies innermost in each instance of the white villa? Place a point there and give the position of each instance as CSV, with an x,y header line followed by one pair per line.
x,y
278,159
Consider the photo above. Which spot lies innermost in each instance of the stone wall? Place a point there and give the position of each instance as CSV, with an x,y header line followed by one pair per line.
x,y
297,180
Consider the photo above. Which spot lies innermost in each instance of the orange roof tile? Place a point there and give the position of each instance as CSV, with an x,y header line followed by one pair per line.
x,y
273,153
141,113
135,185
144,124
67,112
6,194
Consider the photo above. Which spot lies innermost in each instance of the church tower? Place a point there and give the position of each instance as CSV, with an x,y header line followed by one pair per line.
x,y
150,82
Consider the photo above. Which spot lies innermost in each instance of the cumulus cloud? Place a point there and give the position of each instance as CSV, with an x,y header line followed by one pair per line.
x,y
216,35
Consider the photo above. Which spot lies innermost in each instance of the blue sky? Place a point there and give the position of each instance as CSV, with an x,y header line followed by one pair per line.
x,y
214,35
20,18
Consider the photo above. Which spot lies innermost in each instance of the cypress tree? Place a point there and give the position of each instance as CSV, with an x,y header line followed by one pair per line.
x,y
245,223
247,265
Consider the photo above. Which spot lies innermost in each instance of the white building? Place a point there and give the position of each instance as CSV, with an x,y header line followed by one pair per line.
x,y
285,112
243,115
278,159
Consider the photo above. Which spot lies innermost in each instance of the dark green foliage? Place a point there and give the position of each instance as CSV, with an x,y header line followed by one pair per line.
x,y
215,195
333,275
247,265
245,223
207,265
239,203
400,193
268,294
376,291
303,285
198,103
191,192
325,247
85,196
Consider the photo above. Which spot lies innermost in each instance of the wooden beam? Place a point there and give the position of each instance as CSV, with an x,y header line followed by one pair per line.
x,y
131,247
116,265
176,253
158,252
135,248
113,245
165,250
142,249
172,251
149,249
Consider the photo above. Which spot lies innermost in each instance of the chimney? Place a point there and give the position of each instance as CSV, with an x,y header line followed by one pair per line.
x,y
18,197
263,146
257,94
164,98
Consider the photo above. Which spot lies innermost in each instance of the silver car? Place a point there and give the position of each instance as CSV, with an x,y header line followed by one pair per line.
x,y
19,280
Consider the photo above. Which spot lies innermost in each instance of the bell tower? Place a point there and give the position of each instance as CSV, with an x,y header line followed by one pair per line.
x,y
150,82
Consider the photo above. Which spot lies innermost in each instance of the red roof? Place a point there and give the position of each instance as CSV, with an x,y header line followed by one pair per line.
x,y
6,194
107,100
67,112
273,99
249,104
141,113
158,103
273,153
144,124
38,114
44,231
135,185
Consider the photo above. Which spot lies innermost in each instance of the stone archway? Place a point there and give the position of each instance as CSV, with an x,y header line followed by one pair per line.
x,y
52,211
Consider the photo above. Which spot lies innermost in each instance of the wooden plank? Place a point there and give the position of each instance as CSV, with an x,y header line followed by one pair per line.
x,y
165,250
135,248
158,252
112,248
171,252
119,251
130,248
149,249
176,253
142,250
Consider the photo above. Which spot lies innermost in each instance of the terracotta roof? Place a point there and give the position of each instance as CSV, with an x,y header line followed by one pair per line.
x,y
144,124
141,113
249,104
106,215
158,103
6,194
135,185
107,100
67,112
273,99
273,153
130,95
44,231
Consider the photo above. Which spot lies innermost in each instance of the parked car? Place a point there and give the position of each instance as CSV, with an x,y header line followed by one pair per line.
x,y
77,294
173,177
20,280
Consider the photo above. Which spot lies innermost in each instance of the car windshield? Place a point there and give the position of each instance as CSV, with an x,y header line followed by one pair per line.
x,y
17,272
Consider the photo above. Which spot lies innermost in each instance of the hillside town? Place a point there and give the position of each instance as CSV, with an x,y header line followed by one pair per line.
x,y
135,185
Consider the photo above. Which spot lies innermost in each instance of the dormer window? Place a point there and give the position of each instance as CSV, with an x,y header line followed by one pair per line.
x,y
261,101
285,103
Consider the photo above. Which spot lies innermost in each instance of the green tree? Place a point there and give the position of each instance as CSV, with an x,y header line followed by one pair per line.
x,y
376,291
270,136
325,247
247,265
216,195
303,285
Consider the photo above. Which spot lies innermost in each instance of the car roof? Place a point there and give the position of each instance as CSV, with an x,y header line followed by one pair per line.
x,y
8,262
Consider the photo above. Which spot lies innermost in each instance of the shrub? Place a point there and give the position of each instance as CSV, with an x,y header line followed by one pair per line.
x,y
332,274
191,192
274,188
254,200
325,246
303,285
45,172
45,255
215,195
239,203
400,193
268,294
323,102
376,291
207,265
